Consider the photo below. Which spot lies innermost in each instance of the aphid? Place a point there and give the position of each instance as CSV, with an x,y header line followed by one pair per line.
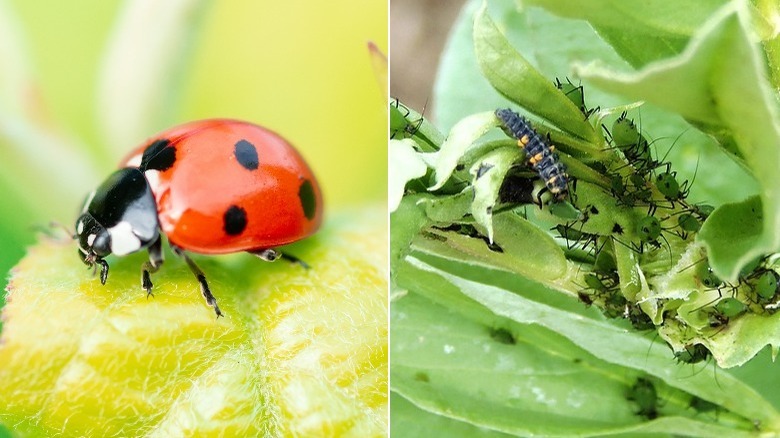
x,y
211,187
649,231
639,319
503,336
688,223
635,147
604,290
707,276
703,211
765,284
576,238
667,184
644,394
702,406
692,353
576,94
540,153
400,125
725,309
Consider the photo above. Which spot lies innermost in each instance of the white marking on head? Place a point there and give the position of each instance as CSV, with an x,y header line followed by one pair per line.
x,y
153,178
80,227
91,239
123,240
135,161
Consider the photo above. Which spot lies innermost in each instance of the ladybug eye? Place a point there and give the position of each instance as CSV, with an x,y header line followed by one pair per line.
x,y
101,243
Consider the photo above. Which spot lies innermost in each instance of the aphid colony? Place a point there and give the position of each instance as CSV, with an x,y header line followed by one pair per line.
x,y
630,209
647,189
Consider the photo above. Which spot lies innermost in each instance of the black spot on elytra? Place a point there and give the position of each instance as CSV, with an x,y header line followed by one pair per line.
x,y
617,229
308,200
159,155
234,220
246,154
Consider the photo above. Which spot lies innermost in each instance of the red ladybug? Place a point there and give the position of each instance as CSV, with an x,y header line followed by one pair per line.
x,y
212,187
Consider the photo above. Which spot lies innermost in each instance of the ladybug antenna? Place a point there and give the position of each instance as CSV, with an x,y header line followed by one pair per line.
x,y
48,230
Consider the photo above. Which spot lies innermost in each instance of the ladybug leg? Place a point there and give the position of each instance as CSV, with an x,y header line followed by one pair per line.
x,y
293,259
270,255
201,277
103,270
150,267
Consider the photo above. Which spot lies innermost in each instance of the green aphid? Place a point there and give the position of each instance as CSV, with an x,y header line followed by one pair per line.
x,y
707,277
648,229
503,336
594,282
642,191
750,267
605,262
625,133
615,305
730,307
692,353
630,141
616,183
688,223
639,319
668,186
701,405
644,394
575,93
765,285
703,210
565,210
569,233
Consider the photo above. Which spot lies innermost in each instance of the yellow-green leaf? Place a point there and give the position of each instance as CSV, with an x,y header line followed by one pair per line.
x,y
299,352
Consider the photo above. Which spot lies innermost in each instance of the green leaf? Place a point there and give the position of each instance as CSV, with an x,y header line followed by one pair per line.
x,y
409,420
463,362
769,11
516,79
719,83
404,164
640,32
298,352
447,357
405,223
522,248
460,139
488,175
730,235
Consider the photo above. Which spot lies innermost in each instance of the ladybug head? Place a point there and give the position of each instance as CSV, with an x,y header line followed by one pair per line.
x,y
94,243
119,217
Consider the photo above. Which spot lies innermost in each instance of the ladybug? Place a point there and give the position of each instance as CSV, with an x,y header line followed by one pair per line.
x,y
541,154
211,187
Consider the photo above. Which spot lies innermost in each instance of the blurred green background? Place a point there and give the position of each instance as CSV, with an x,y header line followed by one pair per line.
x,y
82,82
